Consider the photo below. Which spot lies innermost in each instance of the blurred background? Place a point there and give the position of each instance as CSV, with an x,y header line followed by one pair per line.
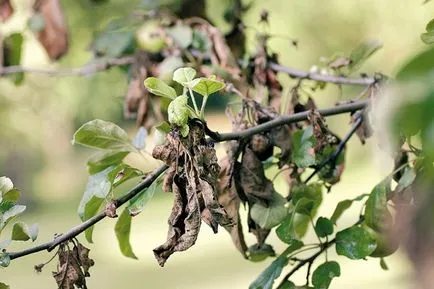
x,y
38,119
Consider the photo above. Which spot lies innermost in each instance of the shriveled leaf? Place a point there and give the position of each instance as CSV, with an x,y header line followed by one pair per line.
x,y
207,86
104,159
5,185
323,275
271,273
122,230
138,203
355,243
342,206
362,52
13,47
184,76
303,153
159,87
115,40
182,35
104,135
54,35
376,212
99,186
178,111
271,216
260,252
140,138
323,227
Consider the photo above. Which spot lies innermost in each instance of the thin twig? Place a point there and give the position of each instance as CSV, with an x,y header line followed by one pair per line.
x,y
87,69
49,246
333,157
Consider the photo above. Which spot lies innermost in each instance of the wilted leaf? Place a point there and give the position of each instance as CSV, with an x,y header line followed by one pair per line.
x,y
323,227
104,135
355,243
54,35
271,273
115,40
6,10
12,50
140,138
181,34
102,160
323,275
122,230
362,52
269,216
178,111
159,87
207,86
138,203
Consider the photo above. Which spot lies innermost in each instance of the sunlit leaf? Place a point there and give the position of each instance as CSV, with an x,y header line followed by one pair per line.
x,y
9,214
355,243
184,76
207,86
5,185
122,230
178,111
104,135
159,87
104,159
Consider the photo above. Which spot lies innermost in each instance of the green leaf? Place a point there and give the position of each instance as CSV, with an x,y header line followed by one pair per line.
x,y
99,186
305,206
5,185
185,129
258,253
159,87
207,86
342,206
376,206
178,111
269,216
383,264
13,46
122,173
4,286
104,159
303,153
418,66
427,37
201,40
122,230
5,259
9,214
21,232
184,76
12,196
286,231
115,40
91,209
182,35
271,273
406,179
168,66
355,243
288,285
140,139
312,192
362,52
138,203
323,227
323,275
104,135
430,26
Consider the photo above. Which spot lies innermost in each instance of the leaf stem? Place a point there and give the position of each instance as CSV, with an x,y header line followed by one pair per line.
x,y
194,101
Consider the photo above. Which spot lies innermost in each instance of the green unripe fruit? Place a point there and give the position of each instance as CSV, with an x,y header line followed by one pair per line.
x,y
150,37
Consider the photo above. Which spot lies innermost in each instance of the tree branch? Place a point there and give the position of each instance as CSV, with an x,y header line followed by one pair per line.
x,y
90,68
49,246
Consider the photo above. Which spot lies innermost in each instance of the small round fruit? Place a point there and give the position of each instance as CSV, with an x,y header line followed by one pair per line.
x,y
150,37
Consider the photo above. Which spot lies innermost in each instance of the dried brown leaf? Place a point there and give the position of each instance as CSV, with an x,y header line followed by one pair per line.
x,y
54,36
